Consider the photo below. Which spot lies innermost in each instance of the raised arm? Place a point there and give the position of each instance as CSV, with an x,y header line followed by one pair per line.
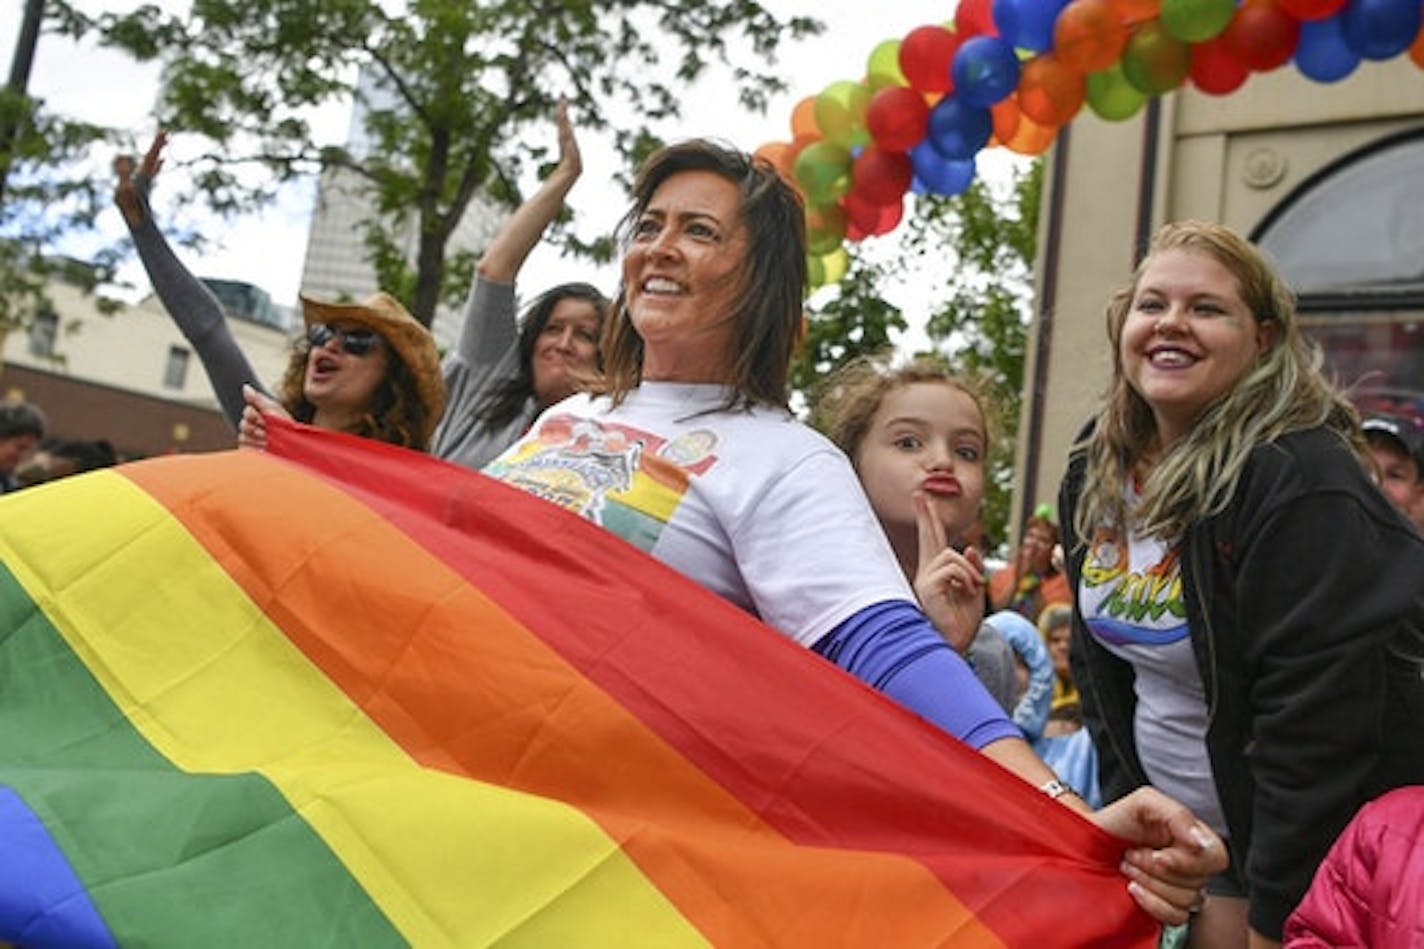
x,y
525,227
192,306
487,352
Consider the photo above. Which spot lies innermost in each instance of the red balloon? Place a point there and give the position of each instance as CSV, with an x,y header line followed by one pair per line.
x,y
1312,9
1261,35
1089,35
975,18
880,176
1416,52
1215,68
1049,92
896,118
925,56
868,218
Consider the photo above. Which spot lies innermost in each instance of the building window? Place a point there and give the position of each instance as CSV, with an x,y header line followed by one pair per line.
x,y
1350,241
175,373
44,331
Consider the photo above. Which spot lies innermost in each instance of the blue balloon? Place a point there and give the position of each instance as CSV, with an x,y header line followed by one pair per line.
x,y
957,130
1322,53
937,174
985,69
1380,29
1028,24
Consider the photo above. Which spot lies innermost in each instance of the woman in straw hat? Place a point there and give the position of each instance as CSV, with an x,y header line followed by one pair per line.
x,y
367,368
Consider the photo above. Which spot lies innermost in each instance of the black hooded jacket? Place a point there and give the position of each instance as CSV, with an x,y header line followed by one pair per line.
x,y
1305,603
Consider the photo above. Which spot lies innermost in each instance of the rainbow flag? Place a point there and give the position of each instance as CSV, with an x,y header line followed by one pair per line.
x,y
339,694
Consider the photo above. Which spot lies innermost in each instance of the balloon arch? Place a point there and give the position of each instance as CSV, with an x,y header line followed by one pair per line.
x,y
1012,72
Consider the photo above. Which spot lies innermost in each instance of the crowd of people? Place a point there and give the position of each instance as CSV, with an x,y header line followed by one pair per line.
x,y
1217,653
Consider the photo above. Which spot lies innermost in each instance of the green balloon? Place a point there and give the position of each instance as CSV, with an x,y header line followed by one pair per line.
x,y
840,113
1155,61
1111,96
815,271
1196,21
825,229
822,170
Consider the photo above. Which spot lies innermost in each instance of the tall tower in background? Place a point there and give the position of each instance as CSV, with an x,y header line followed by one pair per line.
x,y
336,264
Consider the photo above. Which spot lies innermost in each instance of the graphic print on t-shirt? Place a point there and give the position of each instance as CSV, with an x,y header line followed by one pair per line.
x,y
1131,590
622,478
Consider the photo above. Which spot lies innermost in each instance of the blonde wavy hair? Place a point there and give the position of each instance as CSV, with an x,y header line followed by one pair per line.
x,y
1195,477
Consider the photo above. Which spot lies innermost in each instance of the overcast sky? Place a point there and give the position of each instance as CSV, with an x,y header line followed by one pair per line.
x,y
268,249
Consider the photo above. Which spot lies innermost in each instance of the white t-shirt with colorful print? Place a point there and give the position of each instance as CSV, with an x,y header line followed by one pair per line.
x,y
1130,593
752,504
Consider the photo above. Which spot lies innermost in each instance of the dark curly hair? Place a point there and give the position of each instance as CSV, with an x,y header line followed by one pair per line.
x,y
395,414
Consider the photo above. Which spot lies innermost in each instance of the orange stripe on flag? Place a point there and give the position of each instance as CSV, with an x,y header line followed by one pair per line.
x,y
463,686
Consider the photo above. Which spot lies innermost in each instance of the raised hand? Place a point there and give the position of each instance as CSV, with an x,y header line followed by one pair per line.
x,y
570,159
252,430
131,193
949,584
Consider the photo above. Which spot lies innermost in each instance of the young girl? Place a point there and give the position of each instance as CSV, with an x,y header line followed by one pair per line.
x,y
918,437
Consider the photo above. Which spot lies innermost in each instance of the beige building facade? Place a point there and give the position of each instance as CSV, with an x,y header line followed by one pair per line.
x,y
129,376
1329,179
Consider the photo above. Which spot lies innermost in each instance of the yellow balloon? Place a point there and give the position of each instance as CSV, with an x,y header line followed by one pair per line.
x,y
883,67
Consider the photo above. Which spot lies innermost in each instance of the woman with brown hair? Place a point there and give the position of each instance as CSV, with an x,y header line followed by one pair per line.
x,y
691,453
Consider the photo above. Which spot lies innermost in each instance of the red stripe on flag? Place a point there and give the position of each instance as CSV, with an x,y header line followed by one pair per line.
x,y
815,754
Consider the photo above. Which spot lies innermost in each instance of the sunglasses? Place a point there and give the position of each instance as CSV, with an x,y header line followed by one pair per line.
x,y
354,342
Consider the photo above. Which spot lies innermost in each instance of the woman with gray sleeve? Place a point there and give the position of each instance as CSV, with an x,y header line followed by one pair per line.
x,y
367,368
501,374
193,307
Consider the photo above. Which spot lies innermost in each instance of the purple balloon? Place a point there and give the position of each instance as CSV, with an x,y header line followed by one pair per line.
x,y
939,175
985,69
1322,53
1380,29
958,130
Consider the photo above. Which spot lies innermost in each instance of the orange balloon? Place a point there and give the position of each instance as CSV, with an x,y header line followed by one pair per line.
x,y
1416,52
780,156
1089,35
1138,11
1005,113
1031,138
1049,92
803,118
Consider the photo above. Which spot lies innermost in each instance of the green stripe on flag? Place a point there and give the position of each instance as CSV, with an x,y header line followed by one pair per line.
x,y
170,858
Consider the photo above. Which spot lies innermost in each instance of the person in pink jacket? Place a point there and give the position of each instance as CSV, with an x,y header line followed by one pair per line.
x,y
1369,891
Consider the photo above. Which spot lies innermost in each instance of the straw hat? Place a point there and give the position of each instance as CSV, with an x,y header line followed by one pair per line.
x,y
411,342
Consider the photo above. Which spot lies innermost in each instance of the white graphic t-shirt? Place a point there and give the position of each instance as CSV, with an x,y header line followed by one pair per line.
x,y
1131,597
753,505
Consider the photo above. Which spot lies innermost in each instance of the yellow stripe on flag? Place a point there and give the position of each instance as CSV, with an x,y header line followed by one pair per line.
x,y
229,693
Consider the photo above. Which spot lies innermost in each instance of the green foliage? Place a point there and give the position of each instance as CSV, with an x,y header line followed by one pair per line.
x,y
448,87
47,196
978,318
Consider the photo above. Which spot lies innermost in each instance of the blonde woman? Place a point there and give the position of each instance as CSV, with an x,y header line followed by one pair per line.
x,y
1248,623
